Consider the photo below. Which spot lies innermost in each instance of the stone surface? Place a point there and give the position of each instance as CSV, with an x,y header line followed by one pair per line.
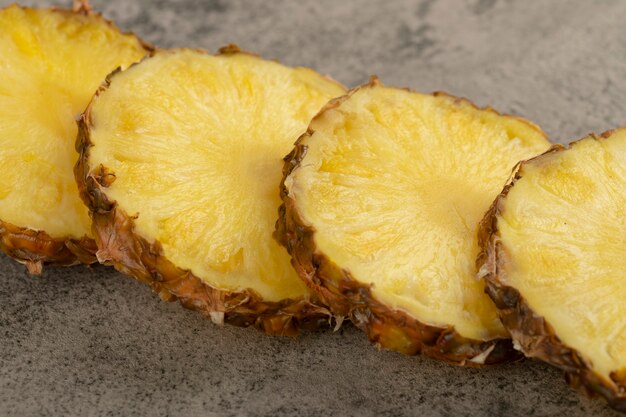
x,y
91,342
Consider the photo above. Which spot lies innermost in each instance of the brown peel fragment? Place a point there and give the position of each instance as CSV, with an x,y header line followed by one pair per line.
x,y
35,248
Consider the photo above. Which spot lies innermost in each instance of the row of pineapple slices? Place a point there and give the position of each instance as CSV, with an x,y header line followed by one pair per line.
x,y
178,166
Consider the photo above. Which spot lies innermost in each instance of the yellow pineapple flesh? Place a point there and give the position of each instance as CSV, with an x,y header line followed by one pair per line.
x,y
52,63
194,143
392,186
562,231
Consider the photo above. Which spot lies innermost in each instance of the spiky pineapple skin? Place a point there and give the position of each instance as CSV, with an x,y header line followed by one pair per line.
x,y
129,253
535,336
36,248
385,327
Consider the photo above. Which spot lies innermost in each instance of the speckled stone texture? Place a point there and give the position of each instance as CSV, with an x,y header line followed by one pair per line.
x,y
91,342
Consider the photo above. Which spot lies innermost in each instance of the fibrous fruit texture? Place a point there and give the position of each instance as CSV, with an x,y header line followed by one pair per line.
x,y
52,63
180,165
382,200
554,248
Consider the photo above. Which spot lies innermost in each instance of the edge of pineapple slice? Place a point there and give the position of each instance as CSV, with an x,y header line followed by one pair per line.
x,y
385,326
36,248
131,254
530,331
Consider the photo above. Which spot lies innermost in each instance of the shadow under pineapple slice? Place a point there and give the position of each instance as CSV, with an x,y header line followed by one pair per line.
x,y
554,249
382,199
52,62
180,165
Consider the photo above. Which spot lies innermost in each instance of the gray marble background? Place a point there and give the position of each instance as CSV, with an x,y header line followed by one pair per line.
x,y
91,342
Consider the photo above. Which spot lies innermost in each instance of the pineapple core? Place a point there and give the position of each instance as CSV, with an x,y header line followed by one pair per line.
x,y
395,183
563,230
51,64
196,144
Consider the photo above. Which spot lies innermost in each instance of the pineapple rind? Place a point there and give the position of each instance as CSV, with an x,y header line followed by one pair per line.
x,y
535,333
34,248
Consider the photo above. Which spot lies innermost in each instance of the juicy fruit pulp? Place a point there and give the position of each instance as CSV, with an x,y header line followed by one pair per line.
x,y
394,184
562,228
52,63
195,145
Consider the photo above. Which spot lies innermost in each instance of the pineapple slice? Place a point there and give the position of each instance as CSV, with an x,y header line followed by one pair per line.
x,y
554,244
382,199
52,62
180,165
